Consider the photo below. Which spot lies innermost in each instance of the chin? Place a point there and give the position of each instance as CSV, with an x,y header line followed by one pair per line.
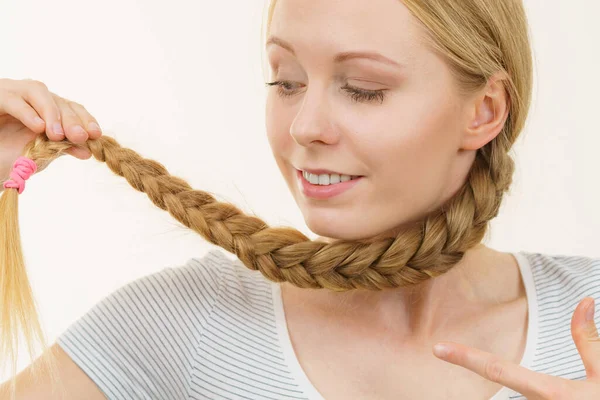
x,y
330,231
333,226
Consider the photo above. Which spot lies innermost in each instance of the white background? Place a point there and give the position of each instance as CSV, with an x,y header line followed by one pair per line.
x,y
181,82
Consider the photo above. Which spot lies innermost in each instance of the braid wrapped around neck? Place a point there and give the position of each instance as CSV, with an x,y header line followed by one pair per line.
x,y
427,249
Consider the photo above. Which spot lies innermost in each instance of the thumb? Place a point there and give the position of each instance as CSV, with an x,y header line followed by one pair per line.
x,y
585,336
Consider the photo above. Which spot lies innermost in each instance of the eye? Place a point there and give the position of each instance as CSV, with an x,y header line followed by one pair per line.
x,y
283,88
356,94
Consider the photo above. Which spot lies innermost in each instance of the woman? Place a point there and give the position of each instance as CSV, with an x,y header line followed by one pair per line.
x,y
379,114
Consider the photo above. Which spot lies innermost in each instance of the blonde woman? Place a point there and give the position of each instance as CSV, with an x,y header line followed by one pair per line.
x,y
391,122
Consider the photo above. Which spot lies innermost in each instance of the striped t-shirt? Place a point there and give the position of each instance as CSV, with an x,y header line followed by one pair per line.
x,y
214,329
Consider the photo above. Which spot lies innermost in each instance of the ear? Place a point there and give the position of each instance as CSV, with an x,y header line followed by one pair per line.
x,y
487,114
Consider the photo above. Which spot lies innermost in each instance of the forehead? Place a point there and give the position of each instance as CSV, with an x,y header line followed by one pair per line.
x,y
329,26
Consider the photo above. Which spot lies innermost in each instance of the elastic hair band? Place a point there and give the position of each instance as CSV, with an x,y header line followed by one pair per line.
x,y
23,168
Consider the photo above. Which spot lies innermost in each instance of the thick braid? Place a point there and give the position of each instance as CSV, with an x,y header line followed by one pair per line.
x,y
285,254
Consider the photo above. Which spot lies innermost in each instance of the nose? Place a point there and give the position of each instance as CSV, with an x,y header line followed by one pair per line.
x,y
314,120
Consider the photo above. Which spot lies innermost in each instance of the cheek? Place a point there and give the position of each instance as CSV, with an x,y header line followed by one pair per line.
x,y
409,151
270,113
273,122
278,124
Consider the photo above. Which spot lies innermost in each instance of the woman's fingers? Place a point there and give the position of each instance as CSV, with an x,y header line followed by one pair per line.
x,y
75,117
37,95
37,108
71,122
14,105
88,121
62,117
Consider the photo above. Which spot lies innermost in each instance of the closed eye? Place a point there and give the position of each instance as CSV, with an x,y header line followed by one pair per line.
x,y
285,89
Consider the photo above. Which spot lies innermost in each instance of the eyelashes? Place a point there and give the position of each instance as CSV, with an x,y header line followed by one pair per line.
x,y
356,94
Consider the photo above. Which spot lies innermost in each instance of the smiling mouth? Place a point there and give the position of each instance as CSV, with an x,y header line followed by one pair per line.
x,y
327,179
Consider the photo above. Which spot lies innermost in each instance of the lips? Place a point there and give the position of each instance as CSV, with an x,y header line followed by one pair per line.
x,y
324,191
323,172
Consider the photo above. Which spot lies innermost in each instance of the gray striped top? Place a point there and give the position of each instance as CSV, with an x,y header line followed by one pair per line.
x,y
213,329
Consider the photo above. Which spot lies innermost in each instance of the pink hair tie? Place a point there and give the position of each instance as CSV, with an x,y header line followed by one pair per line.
x,y
23,168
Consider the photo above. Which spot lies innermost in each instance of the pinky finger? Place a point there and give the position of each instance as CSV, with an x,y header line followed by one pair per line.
x,y
18,108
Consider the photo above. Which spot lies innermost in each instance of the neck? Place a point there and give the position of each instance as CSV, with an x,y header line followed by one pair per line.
x,y
482,279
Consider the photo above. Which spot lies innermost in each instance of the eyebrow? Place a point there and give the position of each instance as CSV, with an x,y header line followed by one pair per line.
x,y
340,57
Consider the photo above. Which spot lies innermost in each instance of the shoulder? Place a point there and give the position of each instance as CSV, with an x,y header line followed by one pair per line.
x,y
560,268
172,299
556,284
565,279
239,284
204,285
141,340
191,286
176,300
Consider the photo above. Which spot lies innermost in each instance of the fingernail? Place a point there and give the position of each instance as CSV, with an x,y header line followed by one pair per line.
x,y
57,127
589,313
94,127
38,121
440,350
78,130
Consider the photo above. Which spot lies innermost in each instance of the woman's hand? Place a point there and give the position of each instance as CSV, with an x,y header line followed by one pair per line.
x,y
28,108
533,385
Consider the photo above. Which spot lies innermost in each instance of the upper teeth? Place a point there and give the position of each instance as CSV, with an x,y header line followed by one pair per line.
x,y
326,179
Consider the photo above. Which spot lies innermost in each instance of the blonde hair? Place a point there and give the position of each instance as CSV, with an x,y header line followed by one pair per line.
x,y
477,38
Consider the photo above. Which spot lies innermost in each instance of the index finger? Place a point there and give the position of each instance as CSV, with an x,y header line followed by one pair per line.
x,y
41,100
532,385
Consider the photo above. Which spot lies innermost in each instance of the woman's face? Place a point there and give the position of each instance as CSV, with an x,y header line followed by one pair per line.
x,y
408,146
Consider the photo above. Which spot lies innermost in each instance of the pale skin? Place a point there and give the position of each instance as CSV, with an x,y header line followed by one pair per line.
x,y
28,108
414,149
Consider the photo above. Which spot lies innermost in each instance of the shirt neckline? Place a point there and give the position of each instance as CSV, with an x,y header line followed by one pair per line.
x,y
532,320
313,394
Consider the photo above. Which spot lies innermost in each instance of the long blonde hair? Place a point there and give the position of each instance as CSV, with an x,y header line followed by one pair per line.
x,y
477,38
